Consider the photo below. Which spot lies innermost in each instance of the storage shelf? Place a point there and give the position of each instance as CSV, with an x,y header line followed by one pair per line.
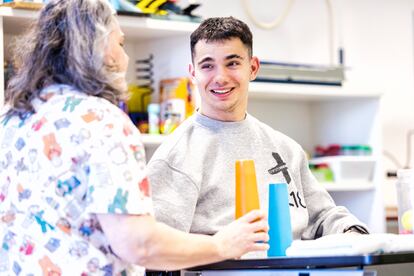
x,y
15,21
351,173
148,28
348,186
152,139
341,158
265,90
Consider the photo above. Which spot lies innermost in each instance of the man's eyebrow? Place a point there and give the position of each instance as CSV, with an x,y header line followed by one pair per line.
x,y
234,56
206,59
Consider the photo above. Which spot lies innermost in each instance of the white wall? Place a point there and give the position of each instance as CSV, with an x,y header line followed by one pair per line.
x,y
377,36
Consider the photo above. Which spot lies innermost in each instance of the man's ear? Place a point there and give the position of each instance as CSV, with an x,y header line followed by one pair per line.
x,y
191,71
254,67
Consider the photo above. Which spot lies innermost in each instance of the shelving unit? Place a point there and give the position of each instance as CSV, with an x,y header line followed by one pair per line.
x,y
323,115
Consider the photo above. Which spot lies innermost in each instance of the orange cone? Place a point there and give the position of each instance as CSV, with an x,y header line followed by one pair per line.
x,y
247,197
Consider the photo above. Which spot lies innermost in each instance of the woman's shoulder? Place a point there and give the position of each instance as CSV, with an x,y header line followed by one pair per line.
x,y
64,109
69,101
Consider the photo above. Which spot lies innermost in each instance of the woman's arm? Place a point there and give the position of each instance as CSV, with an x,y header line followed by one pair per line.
x,y
143,241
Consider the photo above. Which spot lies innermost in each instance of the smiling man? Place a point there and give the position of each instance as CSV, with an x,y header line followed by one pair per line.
x,y
193,172
222,71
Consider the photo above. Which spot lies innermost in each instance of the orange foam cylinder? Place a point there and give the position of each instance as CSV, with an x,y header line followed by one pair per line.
x,y
247,197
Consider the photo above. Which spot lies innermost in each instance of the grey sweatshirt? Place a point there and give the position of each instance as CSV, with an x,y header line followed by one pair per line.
x,y
192,175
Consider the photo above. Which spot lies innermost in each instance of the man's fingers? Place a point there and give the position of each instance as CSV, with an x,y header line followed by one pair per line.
x,y
260,226
253,215
260,247
261,237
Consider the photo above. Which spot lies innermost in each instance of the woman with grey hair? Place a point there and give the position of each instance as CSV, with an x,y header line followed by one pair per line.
x,y
74,196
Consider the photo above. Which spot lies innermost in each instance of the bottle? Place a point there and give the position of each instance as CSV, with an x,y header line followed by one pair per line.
x,y
154,118
405,200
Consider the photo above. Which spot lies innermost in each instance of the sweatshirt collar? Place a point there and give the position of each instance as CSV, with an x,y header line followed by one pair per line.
x,y
217,125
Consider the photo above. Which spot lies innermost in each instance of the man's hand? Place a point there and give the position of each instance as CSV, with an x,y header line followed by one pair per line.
x,y
248,233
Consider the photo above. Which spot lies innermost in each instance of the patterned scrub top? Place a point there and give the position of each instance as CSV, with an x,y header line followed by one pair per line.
x,y
76,156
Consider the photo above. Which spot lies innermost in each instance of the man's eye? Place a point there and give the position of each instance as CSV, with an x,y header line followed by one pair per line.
x,y
233,63
206,66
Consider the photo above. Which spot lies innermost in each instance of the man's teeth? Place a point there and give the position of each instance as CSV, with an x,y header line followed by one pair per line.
x,y
221,91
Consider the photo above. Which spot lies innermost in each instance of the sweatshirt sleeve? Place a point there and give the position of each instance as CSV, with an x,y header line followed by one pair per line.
x,y
324,216
174,195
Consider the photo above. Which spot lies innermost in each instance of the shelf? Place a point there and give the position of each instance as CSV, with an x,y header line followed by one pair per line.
x,y
24,5
348,186
17,20
138,27
153,140
265,90
351,173
341,158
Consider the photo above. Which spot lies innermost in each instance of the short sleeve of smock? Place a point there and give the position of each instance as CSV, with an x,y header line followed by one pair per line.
x,y
116,174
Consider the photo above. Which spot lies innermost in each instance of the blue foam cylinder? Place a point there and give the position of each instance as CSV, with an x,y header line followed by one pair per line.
x,y
279,220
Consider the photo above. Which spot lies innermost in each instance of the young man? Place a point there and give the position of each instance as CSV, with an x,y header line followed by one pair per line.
x,y
193,173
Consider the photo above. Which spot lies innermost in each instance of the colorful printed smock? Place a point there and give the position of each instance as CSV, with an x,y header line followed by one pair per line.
x,y
76,156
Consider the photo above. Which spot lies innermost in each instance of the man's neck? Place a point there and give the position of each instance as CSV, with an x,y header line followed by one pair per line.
x,y
224,116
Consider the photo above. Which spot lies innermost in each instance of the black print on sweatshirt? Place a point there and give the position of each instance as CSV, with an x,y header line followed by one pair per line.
x,y
280,167
297,199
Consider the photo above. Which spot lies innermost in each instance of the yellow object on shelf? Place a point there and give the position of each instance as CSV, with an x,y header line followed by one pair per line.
x,y
24,5
139,98
407,220
177,102
151,6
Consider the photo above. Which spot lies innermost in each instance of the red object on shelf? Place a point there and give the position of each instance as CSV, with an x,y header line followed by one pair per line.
x,y
331,150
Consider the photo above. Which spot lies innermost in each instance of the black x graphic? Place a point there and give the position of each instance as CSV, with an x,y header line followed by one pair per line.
x,y
280,167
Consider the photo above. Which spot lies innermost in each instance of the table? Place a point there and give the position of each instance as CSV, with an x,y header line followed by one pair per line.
x,y
333,265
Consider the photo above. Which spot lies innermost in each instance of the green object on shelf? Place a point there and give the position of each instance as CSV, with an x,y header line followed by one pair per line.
x,y
355,150
322,173
367,150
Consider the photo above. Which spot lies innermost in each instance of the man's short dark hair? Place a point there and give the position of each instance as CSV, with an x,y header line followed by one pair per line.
x,y
220,29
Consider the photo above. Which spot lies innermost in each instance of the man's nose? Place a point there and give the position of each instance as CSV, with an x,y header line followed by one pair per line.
x,y
221,76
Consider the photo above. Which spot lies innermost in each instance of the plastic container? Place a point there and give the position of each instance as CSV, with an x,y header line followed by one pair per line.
x,y
172,114
154,118
405,201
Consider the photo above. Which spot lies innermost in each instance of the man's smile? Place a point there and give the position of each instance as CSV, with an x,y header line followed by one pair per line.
x,y
222,91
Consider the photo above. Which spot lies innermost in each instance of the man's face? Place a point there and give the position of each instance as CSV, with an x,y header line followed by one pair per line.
x,y
222,71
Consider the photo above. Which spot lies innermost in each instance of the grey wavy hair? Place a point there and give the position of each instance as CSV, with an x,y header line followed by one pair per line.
x,y
66,45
